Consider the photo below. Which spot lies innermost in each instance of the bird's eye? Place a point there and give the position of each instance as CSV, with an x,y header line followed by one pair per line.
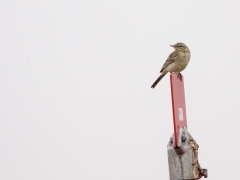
x,y
180,46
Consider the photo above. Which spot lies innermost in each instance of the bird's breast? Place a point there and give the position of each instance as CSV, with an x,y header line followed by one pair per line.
x,y
180,63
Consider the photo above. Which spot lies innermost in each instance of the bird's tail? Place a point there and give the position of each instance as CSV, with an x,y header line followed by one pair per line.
x,y
158,79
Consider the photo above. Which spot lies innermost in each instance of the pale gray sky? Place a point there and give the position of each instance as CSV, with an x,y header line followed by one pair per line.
x,y
75,96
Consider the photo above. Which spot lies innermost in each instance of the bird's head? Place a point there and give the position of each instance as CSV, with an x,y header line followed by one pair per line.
x,y
180,47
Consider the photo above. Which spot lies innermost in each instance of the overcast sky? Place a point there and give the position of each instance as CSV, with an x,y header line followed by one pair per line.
x,y
75,96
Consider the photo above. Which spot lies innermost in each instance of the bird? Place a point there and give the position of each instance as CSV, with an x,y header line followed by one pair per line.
x,y
176,62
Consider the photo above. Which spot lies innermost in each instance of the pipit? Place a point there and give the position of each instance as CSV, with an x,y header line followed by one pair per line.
x,y
176,62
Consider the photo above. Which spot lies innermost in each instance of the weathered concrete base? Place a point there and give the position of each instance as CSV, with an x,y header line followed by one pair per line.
x,y
183,160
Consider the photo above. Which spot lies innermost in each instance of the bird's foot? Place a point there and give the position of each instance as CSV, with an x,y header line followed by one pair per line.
x,y
179,76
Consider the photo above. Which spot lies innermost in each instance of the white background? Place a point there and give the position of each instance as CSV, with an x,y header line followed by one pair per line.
x,y
75,96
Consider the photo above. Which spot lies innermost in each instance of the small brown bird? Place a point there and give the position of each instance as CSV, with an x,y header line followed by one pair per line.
x,y
176,62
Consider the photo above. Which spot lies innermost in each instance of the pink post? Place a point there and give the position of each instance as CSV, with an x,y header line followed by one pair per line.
x,y
178,105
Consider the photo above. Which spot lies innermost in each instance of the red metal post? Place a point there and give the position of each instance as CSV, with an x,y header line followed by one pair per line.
x,y
178,105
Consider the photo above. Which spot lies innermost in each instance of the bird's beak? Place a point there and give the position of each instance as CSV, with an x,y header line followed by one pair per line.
x,y
172,45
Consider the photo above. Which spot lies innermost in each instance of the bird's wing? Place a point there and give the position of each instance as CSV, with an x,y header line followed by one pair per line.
x,y
171,59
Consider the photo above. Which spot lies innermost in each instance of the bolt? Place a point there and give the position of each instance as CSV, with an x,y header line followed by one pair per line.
x,y
205,173
183,138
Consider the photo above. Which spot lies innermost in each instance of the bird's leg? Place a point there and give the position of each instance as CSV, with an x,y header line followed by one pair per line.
x,y
179,76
